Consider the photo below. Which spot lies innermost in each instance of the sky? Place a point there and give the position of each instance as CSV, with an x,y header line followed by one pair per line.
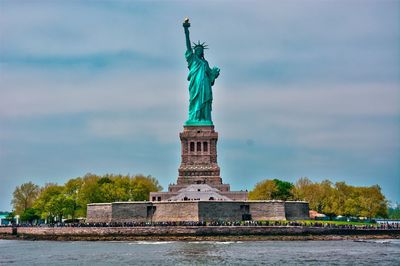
x,y
307,89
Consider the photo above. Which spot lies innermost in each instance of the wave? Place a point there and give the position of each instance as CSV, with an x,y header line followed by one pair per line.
x,y
215,242
380,241
150,242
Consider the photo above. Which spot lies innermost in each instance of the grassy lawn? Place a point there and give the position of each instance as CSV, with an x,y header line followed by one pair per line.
x,y
336,222
311,222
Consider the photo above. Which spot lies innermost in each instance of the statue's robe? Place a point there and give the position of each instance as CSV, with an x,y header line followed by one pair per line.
x,y
201,77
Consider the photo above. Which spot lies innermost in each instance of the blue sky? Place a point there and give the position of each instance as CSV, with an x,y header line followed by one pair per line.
x,y
307,88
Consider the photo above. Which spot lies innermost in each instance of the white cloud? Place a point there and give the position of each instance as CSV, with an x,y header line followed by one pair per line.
x,y
127,104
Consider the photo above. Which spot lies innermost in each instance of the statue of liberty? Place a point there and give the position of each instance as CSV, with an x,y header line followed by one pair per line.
x,y
201,78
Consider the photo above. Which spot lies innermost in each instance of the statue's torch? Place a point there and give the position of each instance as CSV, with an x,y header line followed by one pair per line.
x,y
186,23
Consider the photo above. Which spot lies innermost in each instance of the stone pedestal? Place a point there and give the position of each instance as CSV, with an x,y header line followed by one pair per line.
x,y
199,158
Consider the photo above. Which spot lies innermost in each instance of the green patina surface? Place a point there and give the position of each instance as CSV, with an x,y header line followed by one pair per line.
x,y
201,78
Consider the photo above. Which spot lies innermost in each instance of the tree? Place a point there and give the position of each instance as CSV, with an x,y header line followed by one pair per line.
x,y
342,199
104,180
284,190
309,191
30,215
115,188
272,189
141,186
372,202
394,212
71,190
346,200
263,190
24,197
320,196
60,206
302,188
89,193
327,198
72,187
47,193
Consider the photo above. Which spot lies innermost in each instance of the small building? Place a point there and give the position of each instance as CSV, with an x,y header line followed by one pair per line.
x,y
316,215
3,219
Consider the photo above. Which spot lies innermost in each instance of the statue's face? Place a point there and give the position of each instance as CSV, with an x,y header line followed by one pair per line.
x,y
199,51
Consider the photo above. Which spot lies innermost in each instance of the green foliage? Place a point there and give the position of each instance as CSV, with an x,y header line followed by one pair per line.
x,y
30,215
394,212
24,197
142,186
89,192
311,222
263,190
272,190
47,193
54,202
104,180
342,199
60,206
326,197
284,190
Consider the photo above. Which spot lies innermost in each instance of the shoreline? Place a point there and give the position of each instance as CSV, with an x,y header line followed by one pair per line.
x,y
195,233
197,238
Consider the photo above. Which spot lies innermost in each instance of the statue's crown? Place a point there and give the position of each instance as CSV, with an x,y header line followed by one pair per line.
x,y
198,45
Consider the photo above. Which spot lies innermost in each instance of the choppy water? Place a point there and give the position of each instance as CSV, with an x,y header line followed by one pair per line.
x,y
345,252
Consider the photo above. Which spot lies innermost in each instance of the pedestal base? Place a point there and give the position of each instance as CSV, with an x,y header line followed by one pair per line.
x,y
199,156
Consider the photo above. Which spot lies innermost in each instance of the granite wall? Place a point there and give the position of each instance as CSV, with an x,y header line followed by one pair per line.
x,y
267,210
296,210
221,211
196,211
99,213
123,212
175,211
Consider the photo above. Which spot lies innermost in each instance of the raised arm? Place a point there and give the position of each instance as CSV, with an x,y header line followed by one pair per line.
x,y
186,26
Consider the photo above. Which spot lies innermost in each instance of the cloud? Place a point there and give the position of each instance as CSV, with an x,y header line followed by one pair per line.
x,y
75,28
120,59
125,105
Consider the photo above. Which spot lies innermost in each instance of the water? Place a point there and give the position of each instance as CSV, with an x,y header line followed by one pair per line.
x,y
344,252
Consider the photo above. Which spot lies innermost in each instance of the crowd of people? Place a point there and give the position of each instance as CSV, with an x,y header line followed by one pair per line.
x,y
375,226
